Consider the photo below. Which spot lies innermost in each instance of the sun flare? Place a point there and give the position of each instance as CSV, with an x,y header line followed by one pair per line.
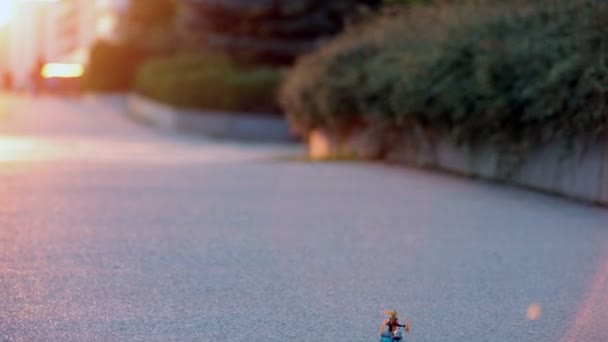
x,y
6,11
15,148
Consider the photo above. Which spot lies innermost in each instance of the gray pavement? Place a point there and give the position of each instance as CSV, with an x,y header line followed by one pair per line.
x,y
114,232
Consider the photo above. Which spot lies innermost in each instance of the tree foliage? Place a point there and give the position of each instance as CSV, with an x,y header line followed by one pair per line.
x,y
263,30
111,67
210,82
508,74
152,12
150,25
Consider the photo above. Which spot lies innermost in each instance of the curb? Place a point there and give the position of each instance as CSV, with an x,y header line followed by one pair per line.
x,y
224,125
580,174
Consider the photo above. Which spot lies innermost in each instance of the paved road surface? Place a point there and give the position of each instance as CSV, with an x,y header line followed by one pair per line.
x,y
113,232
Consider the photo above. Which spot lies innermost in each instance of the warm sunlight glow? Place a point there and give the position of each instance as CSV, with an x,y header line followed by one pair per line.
x,y
105,25
63,70
534,311
320,146
6,11
13,149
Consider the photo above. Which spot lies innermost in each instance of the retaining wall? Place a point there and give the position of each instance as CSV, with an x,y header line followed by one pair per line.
x,y
579,171
230,125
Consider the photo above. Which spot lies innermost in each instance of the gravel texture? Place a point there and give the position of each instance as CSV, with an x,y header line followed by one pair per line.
x,y
111,232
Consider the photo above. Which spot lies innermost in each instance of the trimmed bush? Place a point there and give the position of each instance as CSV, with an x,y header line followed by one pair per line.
x,y
511,74
209,82
354,76
111,67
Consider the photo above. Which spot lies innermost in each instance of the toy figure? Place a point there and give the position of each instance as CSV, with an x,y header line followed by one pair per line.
x,y
390,330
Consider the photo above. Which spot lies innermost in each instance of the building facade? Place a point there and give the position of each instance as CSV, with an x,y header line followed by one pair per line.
x,y
60,31
75,25
27,39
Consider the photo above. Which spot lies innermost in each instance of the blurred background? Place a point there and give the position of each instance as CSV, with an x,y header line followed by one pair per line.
x,y
35,33
118,44
205,170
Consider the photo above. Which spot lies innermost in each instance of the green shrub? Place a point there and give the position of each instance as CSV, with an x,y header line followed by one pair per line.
x,y
209,82
536,74
354,76
510,74
150,26
111,67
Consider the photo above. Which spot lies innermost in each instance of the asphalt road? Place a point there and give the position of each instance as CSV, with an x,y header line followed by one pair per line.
x,y
114,232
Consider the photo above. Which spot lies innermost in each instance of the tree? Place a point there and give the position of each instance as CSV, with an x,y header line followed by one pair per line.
x,y
150,25
274,31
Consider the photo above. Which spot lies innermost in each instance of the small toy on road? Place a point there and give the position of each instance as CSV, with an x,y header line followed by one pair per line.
x,y
391,330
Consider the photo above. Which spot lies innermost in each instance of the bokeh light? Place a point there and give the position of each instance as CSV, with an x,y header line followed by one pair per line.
x,y
534,311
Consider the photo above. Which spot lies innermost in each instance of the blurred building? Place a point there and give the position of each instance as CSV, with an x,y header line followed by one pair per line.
x,y
26,41
59,31
76,24
4,67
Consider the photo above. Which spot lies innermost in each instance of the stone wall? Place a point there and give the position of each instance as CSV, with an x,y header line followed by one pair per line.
x,y
225,125
579,171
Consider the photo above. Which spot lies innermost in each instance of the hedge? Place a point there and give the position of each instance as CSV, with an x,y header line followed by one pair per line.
x,y
510,74
111,67
213,82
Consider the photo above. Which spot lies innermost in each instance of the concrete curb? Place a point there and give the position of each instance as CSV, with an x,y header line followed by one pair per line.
x,y
225,125
579,172
117,101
